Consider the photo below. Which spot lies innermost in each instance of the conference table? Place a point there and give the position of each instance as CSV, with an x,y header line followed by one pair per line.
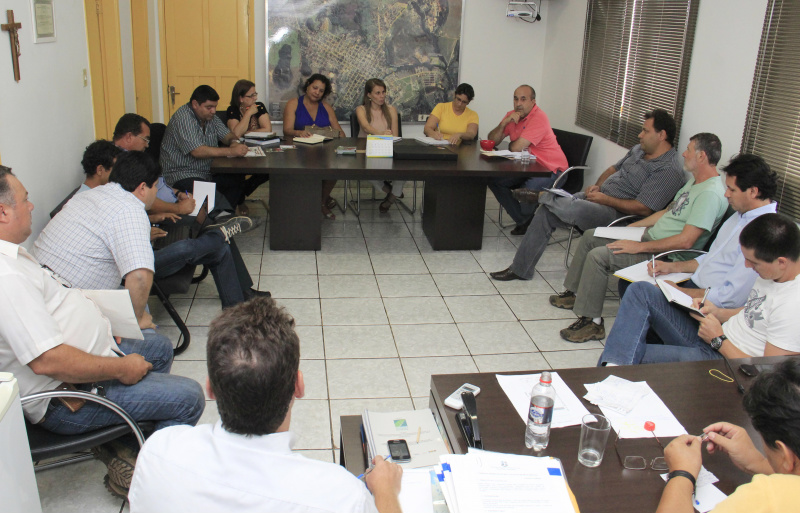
x,y
453,203
694,396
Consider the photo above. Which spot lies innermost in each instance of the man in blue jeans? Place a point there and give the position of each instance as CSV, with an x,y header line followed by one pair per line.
x,y
767,325
51,334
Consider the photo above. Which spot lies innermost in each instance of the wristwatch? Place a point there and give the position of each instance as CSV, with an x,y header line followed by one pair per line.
x,y
716,342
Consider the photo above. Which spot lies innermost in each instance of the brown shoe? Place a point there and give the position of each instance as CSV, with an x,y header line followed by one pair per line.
x,y
525,195
565,300
584,330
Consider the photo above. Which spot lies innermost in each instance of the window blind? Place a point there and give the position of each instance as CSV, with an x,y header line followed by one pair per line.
x,y
772,129
636,57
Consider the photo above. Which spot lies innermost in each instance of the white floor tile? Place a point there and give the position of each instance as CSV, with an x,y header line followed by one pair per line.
x,y
353,311
417,310
359,342
429,340
496,337
343,285
354,379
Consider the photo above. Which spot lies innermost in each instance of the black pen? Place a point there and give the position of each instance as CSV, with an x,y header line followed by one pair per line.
x,y
705,295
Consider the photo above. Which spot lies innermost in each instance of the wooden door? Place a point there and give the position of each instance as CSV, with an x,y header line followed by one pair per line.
x,y
105,63
205,42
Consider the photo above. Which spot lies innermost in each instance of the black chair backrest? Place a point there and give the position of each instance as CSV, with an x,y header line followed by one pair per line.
x,y
63,202
355,128
156,136
223,116
576,149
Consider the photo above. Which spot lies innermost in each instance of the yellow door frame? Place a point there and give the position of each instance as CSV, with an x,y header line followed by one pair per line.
x,y
105,64
162,30
140,35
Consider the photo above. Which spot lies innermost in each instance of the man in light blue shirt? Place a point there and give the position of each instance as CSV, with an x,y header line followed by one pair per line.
x,y
750,187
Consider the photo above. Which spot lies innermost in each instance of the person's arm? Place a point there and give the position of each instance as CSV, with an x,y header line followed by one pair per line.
x,y
679,266
332,118
603,177
470,134
683,240
264,123
289,114
361,116
384,480
432,128
626,206
497,133
71,365
722,314
207,152
395,121
181,207
519,145
649,220
683,453
736,443
138,282
239,127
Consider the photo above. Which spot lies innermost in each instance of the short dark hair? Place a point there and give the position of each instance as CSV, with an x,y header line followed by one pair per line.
x,y
467,90
663,120
240,88
204,93
6,194
99,153
771,236
773,404
253,355
708,144
133,168
533,91
322,78
752,171
129,123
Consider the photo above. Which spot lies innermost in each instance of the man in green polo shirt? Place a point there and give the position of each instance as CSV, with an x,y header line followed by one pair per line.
x,y
686,223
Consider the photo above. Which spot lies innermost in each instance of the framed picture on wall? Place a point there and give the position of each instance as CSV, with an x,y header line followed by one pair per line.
x,y
44,21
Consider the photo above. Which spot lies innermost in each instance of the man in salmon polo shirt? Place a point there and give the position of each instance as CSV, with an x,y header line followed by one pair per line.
x,y
526,126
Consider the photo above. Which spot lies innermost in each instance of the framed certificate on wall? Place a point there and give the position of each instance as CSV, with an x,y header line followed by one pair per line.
x,y
44,21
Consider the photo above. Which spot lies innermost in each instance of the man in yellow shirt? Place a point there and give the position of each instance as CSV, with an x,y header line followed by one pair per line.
x,y
773,404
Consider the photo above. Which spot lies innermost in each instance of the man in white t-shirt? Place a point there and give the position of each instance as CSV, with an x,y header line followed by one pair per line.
x,y
767,325
244,462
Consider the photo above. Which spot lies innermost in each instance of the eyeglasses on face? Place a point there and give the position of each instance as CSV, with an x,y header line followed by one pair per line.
x,y
253,96
145,139
460,101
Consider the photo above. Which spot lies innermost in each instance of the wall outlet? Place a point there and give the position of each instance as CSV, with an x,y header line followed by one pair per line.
x,y
85,78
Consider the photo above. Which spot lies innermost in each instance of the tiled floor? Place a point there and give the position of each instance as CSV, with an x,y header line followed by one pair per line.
x,y
378,311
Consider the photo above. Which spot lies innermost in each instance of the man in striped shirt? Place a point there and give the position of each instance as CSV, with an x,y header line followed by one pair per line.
x,y
641,183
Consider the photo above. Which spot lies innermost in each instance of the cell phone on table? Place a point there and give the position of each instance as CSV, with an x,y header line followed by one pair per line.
x,y
454,399
398,450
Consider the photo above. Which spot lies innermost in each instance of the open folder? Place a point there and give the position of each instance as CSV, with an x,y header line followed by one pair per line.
x,y
116,306
678,298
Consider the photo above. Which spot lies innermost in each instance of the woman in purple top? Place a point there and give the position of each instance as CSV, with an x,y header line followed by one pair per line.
x,y
310,109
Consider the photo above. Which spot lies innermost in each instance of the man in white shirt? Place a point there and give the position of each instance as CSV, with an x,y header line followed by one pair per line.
x,y
244,462
51,333
767,325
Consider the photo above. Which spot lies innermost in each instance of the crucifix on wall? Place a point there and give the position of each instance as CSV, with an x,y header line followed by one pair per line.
x,y
12,28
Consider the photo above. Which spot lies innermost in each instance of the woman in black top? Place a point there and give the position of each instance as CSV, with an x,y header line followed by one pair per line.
x,y
245,114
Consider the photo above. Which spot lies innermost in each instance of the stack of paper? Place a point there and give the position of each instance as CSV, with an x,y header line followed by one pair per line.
x,y
260,135
634,233
416,427
433,142
568,409
513,155
617,394
649,407
484,482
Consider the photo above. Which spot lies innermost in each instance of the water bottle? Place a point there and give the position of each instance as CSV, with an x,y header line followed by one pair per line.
x,y
525,158
540,413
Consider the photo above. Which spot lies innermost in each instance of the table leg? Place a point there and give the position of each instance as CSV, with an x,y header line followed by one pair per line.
x,y
295,216
454,212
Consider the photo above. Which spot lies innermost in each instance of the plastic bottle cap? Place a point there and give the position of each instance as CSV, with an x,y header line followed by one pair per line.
x,y
650,426
545,378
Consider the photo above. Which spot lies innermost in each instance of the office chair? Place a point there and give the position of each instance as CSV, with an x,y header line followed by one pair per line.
x,y
46,445
355,129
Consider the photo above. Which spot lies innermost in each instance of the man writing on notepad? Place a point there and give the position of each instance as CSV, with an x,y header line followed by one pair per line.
x,y
244,462
686,223
767,325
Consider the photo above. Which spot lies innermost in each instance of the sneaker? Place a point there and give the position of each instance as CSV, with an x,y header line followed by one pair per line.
x,y
233,226
121,462
114,488
525,195
565,300
584,330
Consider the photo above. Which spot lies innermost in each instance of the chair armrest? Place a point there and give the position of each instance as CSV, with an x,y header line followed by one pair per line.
x,y
560,178
631,218
690,250
111,405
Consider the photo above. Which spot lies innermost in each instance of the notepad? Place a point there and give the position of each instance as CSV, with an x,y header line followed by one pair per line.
x,y
433,142
638,272
678,298
634,233
313,139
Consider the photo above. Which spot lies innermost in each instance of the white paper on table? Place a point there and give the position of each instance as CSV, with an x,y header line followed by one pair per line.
x,y
489,482
638,272
415,491
116,306
568,409
432,142
616,393
254,151
706,496
634,233
559,192
651,408
201,191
